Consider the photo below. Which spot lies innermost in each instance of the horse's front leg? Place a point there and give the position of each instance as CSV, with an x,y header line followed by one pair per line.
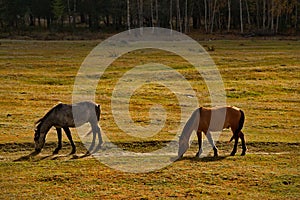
x,y
68,133
59,143
199,135
212,143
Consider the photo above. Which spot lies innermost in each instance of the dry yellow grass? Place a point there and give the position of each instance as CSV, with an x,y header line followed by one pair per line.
x,y
261,77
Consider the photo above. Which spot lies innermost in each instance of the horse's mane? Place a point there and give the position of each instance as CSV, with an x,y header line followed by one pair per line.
x,y
41,120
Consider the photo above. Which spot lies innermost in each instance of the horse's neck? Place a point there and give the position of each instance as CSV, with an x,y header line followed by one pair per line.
x,y
191,125
187,132
46,125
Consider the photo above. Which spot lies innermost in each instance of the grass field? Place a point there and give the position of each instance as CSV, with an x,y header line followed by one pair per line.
x,y
260,76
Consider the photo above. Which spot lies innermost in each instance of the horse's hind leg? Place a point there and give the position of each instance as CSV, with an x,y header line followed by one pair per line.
x,y
68,133
199,135
244,148
212,143
96,130
59,143
99,138
236,140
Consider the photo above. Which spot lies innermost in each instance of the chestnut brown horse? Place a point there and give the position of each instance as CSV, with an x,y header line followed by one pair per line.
x,y
209,120
63,116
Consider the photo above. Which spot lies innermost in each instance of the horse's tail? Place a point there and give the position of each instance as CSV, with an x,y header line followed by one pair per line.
x,y
98,111
240,126
241,122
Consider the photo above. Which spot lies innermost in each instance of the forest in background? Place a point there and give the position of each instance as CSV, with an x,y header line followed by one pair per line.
x,y
248,17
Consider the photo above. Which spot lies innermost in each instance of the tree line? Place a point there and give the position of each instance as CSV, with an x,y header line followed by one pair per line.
x,y
210,16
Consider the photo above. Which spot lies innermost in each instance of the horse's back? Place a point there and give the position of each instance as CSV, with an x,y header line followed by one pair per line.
x,y
86,111
218,118
69,115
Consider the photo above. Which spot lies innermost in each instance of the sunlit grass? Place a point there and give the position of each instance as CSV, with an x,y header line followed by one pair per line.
x,y
262,77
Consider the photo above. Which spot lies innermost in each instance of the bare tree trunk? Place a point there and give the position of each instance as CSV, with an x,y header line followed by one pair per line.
x,y
229,15
248,13
269,7
151,11
74,14
272,15
296,15
277,23
140,13
213,17
171,14
257,14
178,16
264,15
241,17
205,15
209,11
156,13
186,17
69,12
128,15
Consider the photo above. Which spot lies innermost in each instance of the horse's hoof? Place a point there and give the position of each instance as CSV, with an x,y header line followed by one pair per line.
x,y
243,154
34,153
72,152
55,152
198,154
173,159
232,154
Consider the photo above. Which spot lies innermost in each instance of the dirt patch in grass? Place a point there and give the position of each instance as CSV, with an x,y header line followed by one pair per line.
x,y
15,151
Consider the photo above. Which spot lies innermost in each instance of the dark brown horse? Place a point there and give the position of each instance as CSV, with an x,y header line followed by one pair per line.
x,y
209,120
63,116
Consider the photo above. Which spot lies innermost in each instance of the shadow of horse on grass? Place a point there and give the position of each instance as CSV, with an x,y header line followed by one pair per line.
x,y
35,158
203,159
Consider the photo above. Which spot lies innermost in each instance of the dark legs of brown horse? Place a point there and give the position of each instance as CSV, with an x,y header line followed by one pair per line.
x,y
236,139
59,137
199,135
210,140
212,143
244,148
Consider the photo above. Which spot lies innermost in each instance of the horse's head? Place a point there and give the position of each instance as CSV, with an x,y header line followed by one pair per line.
x,y
183,145
39,139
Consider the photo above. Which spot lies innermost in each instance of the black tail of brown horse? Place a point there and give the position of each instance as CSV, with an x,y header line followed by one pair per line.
x,y
241,124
